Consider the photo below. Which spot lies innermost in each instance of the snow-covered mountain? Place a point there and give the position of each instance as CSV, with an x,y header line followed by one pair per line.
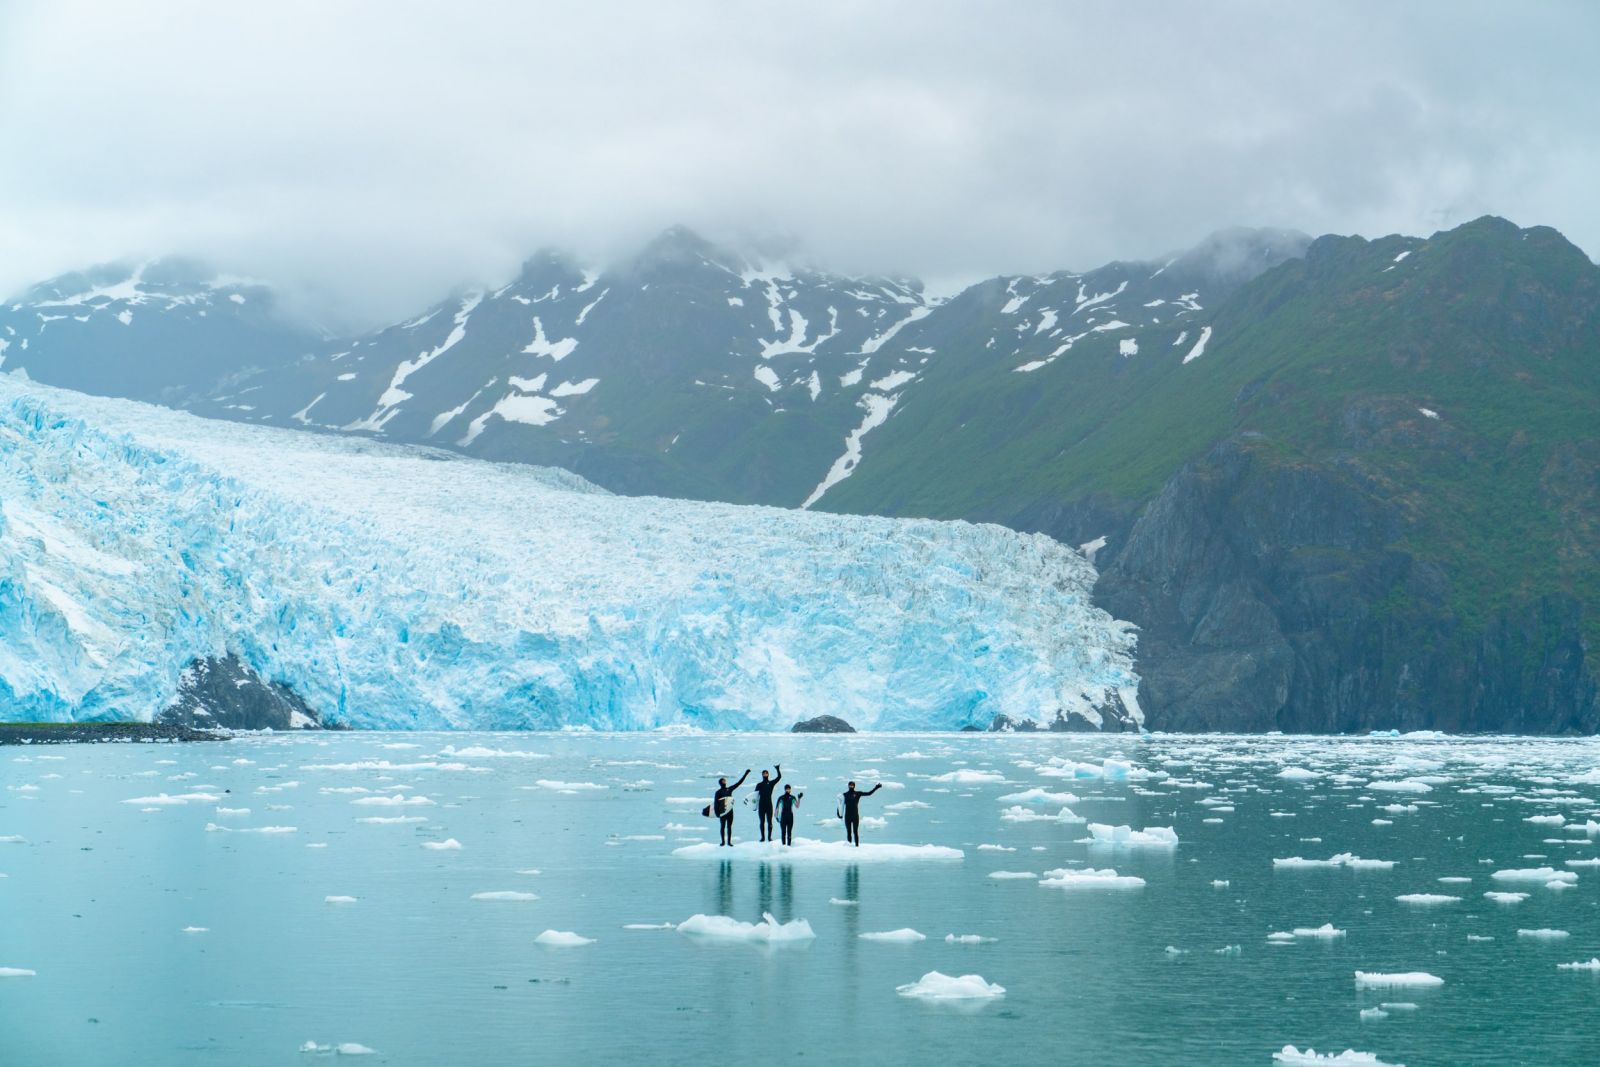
x,y
394,586
169,331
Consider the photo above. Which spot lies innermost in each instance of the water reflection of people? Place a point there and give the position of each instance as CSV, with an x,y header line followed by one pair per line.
x,y
725,887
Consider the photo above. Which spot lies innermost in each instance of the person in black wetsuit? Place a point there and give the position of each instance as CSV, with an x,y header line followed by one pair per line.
x,y
852,812
788,800
764,790
722,806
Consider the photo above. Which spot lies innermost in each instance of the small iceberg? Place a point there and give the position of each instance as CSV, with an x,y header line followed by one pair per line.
x,y
768,931
562,939
937,986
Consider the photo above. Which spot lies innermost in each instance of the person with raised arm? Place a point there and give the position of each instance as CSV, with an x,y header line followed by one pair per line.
x,y
722,806
764,790
850,800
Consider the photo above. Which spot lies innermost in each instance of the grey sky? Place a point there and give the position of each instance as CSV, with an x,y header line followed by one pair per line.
x,y
377,154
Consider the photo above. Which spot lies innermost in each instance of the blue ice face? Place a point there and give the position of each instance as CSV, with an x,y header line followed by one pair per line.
x,y
408,588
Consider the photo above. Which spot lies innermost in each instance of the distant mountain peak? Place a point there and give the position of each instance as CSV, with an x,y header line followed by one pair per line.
x,y
679,246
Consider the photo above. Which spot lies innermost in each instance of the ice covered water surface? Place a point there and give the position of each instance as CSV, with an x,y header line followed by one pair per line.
x,y
408,588
563,903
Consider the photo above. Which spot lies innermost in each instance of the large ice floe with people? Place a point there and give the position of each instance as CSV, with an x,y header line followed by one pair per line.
x,y
372,585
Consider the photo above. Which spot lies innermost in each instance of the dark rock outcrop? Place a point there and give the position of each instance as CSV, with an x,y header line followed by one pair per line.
x,y
1114,718
222,692
823,724
1277,594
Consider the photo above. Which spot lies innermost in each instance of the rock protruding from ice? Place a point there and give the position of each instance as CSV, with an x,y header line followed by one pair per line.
x,y
822,724
807,850
937,986
768,931
397,587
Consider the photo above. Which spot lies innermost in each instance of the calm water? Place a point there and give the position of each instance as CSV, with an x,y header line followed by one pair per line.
x,y
98,893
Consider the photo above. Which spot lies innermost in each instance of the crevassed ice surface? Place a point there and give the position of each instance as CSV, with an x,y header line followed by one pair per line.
x,y
404,588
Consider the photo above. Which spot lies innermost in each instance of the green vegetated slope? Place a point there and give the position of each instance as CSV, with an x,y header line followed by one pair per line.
x,y
1333,360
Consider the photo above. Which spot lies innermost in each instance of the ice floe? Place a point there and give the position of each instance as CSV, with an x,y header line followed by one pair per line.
x,y
768,931
937,986
1397,980
510,895
905,935
1127,837
807,850
562,939
1089,878
1312,1058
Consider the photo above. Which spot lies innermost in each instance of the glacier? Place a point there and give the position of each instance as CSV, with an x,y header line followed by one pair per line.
x,y
403,587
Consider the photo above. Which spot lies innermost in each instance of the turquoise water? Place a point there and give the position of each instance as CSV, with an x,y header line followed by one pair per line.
x,y
157,941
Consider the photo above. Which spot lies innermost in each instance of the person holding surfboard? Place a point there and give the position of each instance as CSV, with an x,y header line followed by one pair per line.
x,y
788,800
764,790
850,801
722,806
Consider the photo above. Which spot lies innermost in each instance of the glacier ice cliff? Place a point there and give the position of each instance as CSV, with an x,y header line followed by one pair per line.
x,y
402,587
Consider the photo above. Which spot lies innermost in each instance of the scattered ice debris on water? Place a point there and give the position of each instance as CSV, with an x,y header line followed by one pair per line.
x,y
505,895
394,801
1409,785
566,787
1018,813
213,828
1396,980
967,939
1427,898
1008,875
905,935
392,820
1590,965
1173,950
225,812
767,931
1127,837
807,850
1343,859
1373,1014
562,939
1312,1058
937,986
1325,932
1544,934
163,800
449,844
1229,950
1534,874
1089,878
17,972
1506,898
345,1048
338,900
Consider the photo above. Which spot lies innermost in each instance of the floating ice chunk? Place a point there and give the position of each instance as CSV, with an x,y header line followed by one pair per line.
x,y
392,820
1398,1005
1018,813
1038,796
338,900
1506,898
967,776
1006,875
843,903
1559,884
562,939
1325,932
1342,859
1591,965
568,787
1592,862
1281,937
1373,1014
967,939
995,848
1547,820
449,844
936,986
1427,898
1400,809
905,935
17,972
195,930
481,752
1396,980
807,850
1544,934
1312,1058
649,926
1409,785
1534,874
1089,878
162,800
505,895
768,931
908,805
395,800
1299,774
345,1048
1219,883
213,828
1449,880
1127,837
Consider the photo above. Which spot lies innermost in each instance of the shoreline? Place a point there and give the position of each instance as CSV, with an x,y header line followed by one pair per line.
x,y
67,733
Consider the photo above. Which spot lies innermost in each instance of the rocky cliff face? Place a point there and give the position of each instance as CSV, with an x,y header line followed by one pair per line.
x,y
1276,594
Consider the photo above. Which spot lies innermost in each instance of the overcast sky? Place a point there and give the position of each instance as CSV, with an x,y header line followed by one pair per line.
x,y
371,156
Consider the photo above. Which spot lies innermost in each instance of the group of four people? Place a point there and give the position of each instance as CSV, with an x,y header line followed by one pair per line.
x,y
783,805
